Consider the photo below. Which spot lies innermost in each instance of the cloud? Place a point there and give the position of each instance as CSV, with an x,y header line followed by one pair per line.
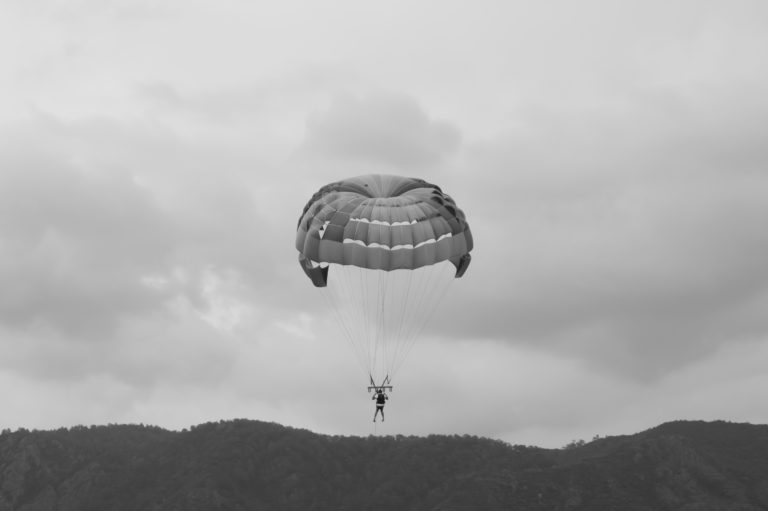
x,y
74,245
632,238
127,272
103,219
121,10
382,128
282,97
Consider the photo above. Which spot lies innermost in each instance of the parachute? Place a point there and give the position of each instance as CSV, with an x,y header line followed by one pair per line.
x,y
384,250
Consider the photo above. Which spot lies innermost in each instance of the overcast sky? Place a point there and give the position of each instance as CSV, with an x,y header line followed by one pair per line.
x,y
611,159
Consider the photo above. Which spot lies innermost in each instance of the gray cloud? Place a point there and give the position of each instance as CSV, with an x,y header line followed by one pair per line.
x,y
275,96
381,128
637,244
75,245
102,219
113,10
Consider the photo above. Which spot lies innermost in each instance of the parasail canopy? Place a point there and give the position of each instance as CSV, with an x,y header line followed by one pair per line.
x,y
385,250
381,222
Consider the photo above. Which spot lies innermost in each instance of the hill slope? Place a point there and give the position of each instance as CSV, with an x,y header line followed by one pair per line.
x,y
251,465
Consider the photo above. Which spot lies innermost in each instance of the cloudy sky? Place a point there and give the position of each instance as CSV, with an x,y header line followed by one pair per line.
x,y
611,158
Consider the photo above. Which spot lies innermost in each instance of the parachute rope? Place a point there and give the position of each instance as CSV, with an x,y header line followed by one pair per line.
x,y
411,340
429,295
381,314
345,322
381,320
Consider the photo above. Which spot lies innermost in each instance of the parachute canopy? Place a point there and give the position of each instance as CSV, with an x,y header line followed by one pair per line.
x,y
381,222
393,245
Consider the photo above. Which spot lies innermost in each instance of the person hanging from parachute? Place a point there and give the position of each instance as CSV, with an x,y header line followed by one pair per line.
x,y
384,249
381,398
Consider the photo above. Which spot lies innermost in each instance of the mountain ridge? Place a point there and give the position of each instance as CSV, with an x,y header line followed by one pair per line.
x,y
252,465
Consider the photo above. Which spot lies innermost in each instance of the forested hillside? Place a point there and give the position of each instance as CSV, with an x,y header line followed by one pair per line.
x,y
251,465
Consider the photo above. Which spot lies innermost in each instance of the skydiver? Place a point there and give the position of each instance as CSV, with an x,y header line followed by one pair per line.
x,y
381,398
